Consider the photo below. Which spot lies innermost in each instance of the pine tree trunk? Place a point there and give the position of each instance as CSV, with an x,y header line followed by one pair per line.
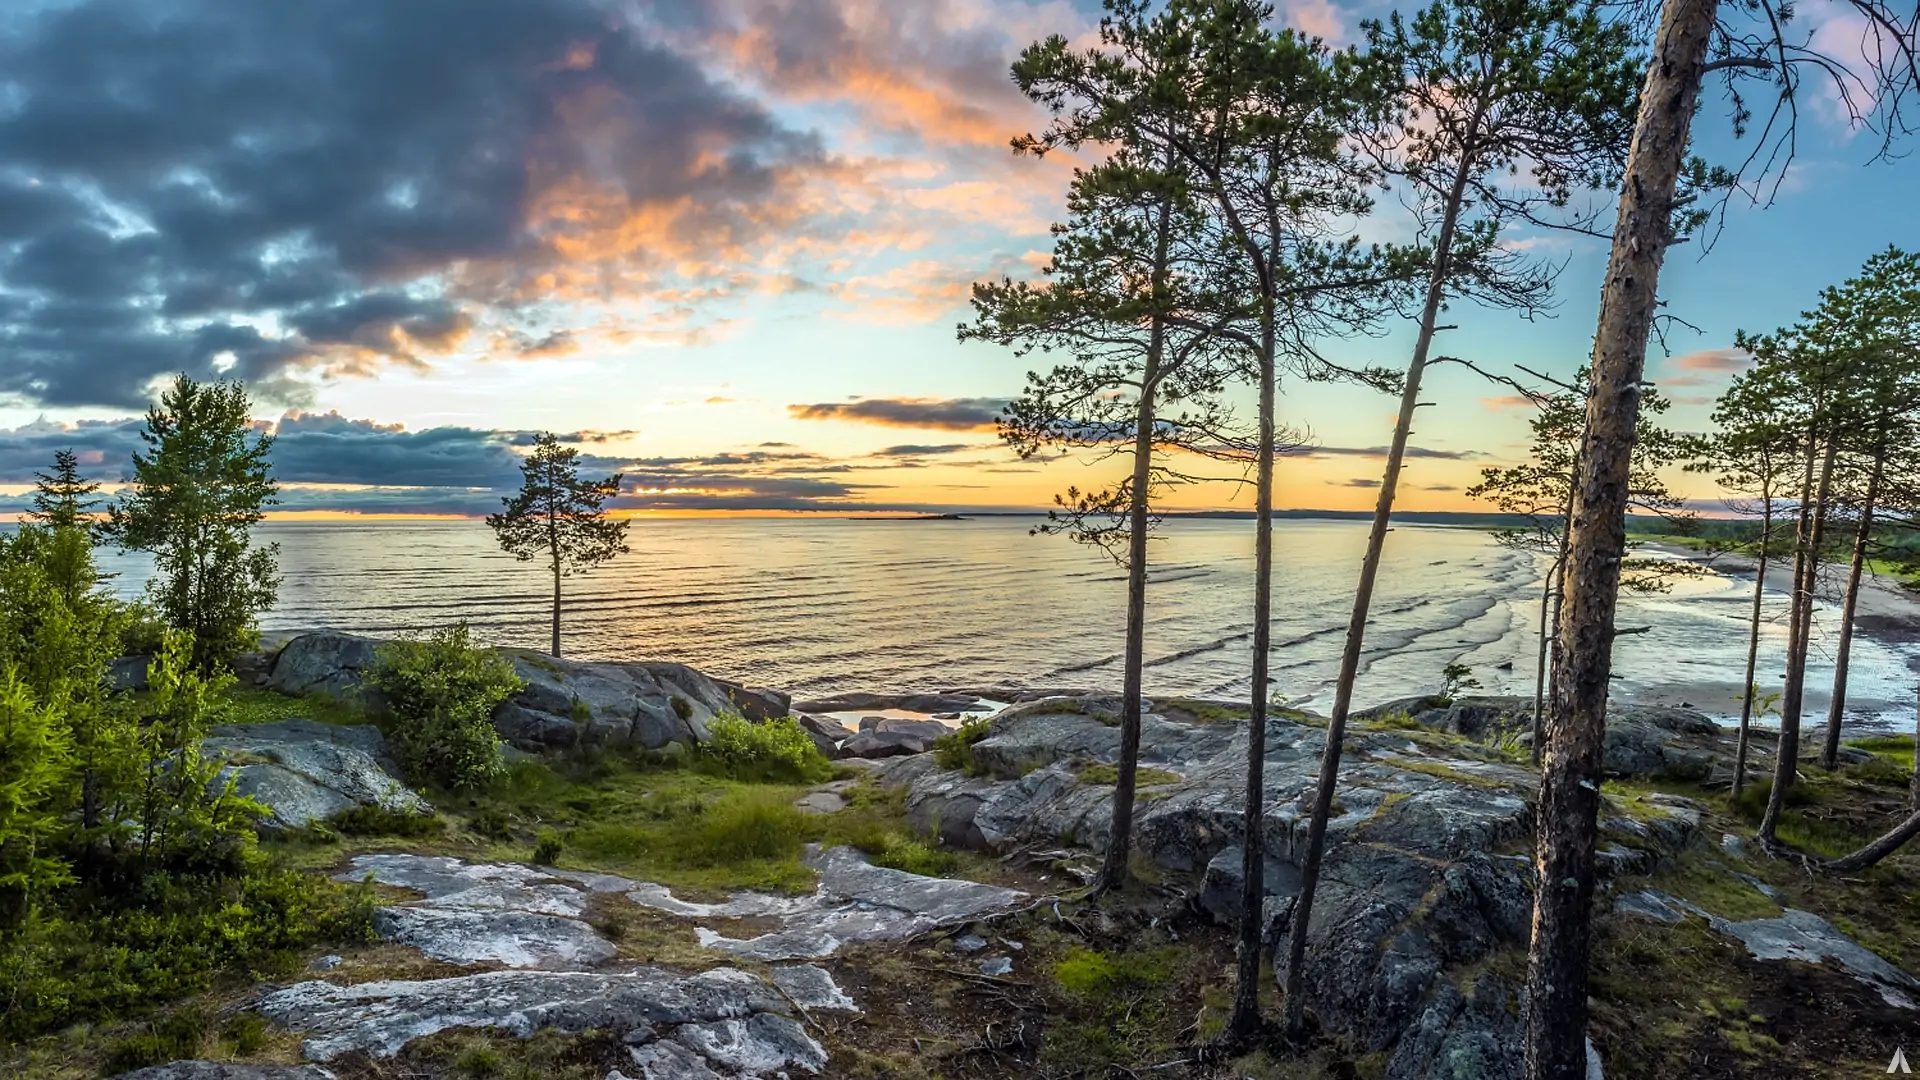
x,y
1837,707
1253,885
1540,662
556,607
1114,869
1913,784
1793,696
1556,1019
1877,850
1363,601
1753,649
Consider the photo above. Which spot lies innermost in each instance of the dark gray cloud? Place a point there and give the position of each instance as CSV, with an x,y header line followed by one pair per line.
x,y
331,186
1360,482
450,470
912,450
933,414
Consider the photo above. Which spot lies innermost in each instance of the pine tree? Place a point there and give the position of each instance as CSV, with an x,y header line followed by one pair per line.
x,y
557,513
63,499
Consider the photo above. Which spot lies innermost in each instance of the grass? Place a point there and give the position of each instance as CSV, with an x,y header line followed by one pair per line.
x,y
1897,749
1108,775
954,750
252,705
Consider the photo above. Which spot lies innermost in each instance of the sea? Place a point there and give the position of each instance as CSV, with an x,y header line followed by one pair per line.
x,y
817,605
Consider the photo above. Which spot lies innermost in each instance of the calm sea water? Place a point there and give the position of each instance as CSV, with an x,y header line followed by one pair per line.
x,y
816,606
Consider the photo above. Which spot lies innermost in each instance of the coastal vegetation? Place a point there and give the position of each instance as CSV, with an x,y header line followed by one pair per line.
x,y
559,517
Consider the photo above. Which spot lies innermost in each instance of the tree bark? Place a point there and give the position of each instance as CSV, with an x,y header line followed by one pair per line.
x,y
1913,785
1253,886
1556,1019
1837,707
1753,647
1113,868
1877,850
1793,695
1294,1015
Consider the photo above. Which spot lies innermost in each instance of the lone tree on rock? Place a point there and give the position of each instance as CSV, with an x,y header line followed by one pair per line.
x,y
559,514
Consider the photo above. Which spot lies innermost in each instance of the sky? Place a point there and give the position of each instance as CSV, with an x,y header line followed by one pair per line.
x,y
722,246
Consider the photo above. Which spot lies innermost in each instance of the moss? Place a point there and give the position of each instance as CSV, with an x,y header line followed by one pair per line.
x,y
252,705
954,750
1108,775
1444,772
1208,713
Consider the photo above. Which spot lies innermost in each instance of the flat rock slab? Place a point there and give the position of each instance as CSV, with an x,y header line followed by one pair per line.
x,y
226,1070
856,901
504,913
812,988
730,1021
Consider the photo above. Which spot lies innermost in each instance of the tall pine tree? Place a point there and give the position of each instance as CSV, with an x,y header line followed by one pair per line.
x,y
559,516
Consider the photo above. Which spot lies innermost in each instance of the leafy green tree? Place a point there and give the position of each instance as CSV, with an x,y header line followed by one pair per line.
x,y
63,498
1486,86
561,516
442,692
184,815
198,490
33,767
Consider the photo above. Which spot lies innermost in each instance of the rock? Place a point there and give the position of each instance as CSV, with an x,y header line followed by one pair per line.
x,y
969,943
128,674
756,703
820,802
827,733
1804,936
1425,873
863,702
327,663
856,901
502,913
758,1045
997,965
881,737
812,987
569,703
304,771
226,1070
380,1018
668,1061
1641,740
326,963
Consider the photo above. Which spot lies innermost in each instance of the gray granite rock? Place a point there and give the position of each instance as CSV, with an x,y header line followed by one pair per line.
x,y
304,771
503,913
382,1017
892,737
325,663
1804,936
812,988
1641,740
856,901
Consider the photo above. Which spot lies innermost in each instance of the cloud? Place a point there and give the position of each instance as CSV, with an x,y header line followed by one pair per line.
x,y
912,450
932,414
1510,401
1360,482
1727,361
1380,452
292,192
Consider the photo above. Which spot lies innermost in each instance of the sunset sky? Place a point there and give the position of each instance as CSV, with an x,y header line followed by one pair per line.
x,y
722,245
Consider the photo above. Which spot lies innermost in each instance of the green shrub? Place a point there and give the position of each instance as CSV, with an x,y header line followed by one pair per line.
x,y
682,708
170,1038
546,851
480,1061
777,751
373,820
442,692
915,857
954,750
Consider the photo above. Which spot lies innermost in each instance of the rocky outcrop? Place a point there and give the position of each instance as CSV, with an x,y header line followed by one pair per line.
x,y
953,701
856,901
303,771
1641,740
883,737
565,703
1426,875
726,1021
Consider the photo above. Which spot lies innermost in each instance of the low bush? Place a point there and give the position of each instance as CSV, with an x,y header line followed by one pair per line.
x,y
773,751
954,750
546,851
379,821
441,692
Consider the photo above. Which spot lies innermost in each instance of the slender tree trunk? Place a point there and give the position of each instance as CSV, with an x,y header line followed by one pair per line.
x,y
1913,784
1540,660
556,607
1363,602
1877,850
1793,696
1114,869
553,548
1556,1020
1837,707
1253,885
1550,643
1753,648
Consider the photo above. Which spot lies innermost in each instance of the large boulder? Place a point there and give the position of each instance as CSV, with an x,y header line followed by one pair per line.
x,y
303,771
1426,874
326,663
892,737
